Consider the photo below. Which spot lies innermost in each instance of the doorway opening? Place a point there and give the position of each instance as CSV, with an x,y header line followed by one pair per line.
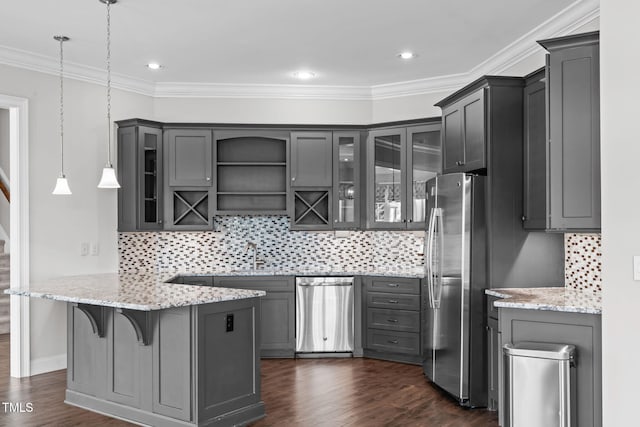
x,y
18,233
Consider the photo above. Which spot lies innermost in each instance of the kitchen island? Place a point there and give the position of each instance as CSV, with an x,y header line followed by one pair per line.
x,y
157,353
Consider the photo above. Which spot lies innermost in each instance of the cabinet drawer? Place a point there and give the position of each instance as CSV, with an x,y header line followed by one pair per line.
x,y
395,320
392,341
394,284
393,301
256,282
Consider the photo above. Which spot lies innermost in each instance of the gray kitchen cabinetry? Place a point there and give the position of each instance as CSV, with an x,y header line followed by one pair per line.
x,y
464,133
311,159
391,319
399,163
494,354
166,367
140,176
474,120
311,181
573,132
584,331
188,185
346,180
251,172
277,321
535,152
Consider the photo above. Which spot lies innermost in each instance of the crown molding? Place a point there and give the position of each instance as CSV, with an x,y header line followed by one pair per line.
x,y
84,73
565,22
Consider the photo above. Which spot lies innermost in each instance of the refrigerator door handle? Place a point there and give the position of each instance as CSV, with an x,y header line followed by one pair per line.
x,y
430,238
437,286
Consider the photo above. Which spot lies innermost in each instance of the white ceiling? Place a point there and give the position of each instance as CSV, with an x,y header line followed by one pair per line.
x,y
346,42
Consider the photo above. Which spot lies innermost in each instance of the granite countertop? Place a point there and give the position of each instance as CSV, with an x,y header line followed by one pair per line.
x,y
551,299
141,291
149,291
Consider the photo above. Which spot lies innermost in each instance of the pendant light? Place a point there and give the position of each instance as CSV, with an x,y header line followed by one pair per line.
x,y
62,186
108,179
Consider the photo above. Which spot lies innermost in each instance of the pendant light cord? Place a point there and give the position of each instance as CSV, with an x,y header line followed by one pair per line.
x,y
61,110
109,82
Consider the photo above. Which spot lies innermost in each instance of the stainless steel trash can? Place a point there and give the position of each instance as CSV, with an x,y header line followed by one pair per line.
x,y
539,383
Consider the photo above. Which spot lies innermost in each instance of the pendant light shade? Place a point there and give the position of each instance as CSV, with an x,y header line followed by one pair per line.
x,y
62,186
108,179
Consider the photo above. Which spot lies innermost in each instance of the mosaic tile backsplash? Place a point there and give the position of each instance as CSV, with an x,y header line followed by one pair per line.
x,y
277,245
583,262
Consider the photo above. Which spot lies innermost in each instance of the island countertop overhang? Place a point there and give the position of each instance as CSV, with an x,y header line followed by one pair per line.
x,y
139,291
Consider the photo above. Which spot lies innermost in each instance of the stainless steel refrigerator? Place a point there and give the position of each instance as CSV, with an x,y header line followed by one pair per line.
x,y
455,262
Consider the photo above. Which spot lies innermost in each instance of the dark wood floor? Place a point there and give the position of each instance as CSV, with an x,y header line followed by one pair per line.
x,y
302,392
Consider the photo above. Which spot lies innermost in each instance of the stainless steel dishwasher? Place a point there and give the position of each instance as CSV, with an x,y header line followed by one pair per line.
x,y
324,315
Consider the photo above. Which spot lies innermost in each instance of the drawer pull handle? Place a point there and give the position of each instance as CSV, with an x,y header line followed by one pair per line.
x,y
392,320
392,341
393,301
392,285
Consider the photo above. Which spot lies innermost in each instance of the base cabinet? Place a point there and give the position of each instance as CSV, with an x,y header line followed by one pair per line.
x,y
584,331
278,315
391,319
167,367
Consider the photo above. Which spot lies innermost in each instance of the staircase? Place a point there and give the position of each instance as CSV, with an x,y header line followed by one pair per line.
x,y
4,284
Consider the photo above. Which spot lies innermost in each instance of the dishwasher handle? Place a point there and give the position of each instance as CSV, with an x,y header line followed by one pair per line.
x,y
304,285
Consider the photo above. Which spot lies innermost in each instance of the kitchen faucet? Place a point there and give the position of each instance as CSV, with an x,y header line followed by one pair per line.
x,y
257,262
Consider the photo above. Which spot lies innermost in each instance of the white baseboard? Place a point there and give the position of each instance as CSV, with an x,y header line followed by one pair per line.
x,y
48,364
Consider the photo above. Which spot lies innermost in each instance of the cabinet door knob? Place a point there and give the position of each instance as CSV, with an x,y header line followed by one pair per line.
x,y
524,218
410,220
335,220
293,178
208,178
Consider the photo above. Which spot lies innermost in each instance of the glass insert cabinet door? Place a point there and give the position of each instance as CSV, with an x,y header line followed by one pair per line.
x,y
387,195
425,162
346,179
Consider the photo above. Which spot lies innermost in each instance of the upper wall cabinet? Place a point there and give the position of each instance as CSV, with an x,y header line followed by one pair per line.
x,y
190,157
311,181
473,118
140,176
463,133
535,152
399,163
311,159
188,186
346,180
251,172
573,156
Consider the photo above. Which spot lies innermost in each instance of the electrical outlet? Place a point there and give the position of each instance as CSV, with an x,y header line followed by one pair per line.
x,y
84,249
94,249
636,267
229,322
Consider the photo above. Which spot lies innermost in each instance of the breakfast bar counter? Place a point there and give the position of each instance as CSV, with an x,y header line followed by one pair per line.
x,y
157,353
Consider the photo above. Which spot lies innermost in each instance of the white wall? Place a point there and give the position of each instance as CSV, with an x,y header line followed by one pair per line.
x,y
619,91
58,224
4,164
276,111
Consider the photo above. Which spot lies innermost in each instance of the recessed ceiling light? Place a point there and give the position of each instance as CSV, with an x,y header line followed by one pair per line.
x,y
407,55
154,66
304,75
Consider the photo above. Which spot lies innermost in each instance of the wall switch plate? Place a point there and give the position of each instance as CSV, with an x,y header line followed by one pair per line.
x,y
636,267
94,249
84,249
